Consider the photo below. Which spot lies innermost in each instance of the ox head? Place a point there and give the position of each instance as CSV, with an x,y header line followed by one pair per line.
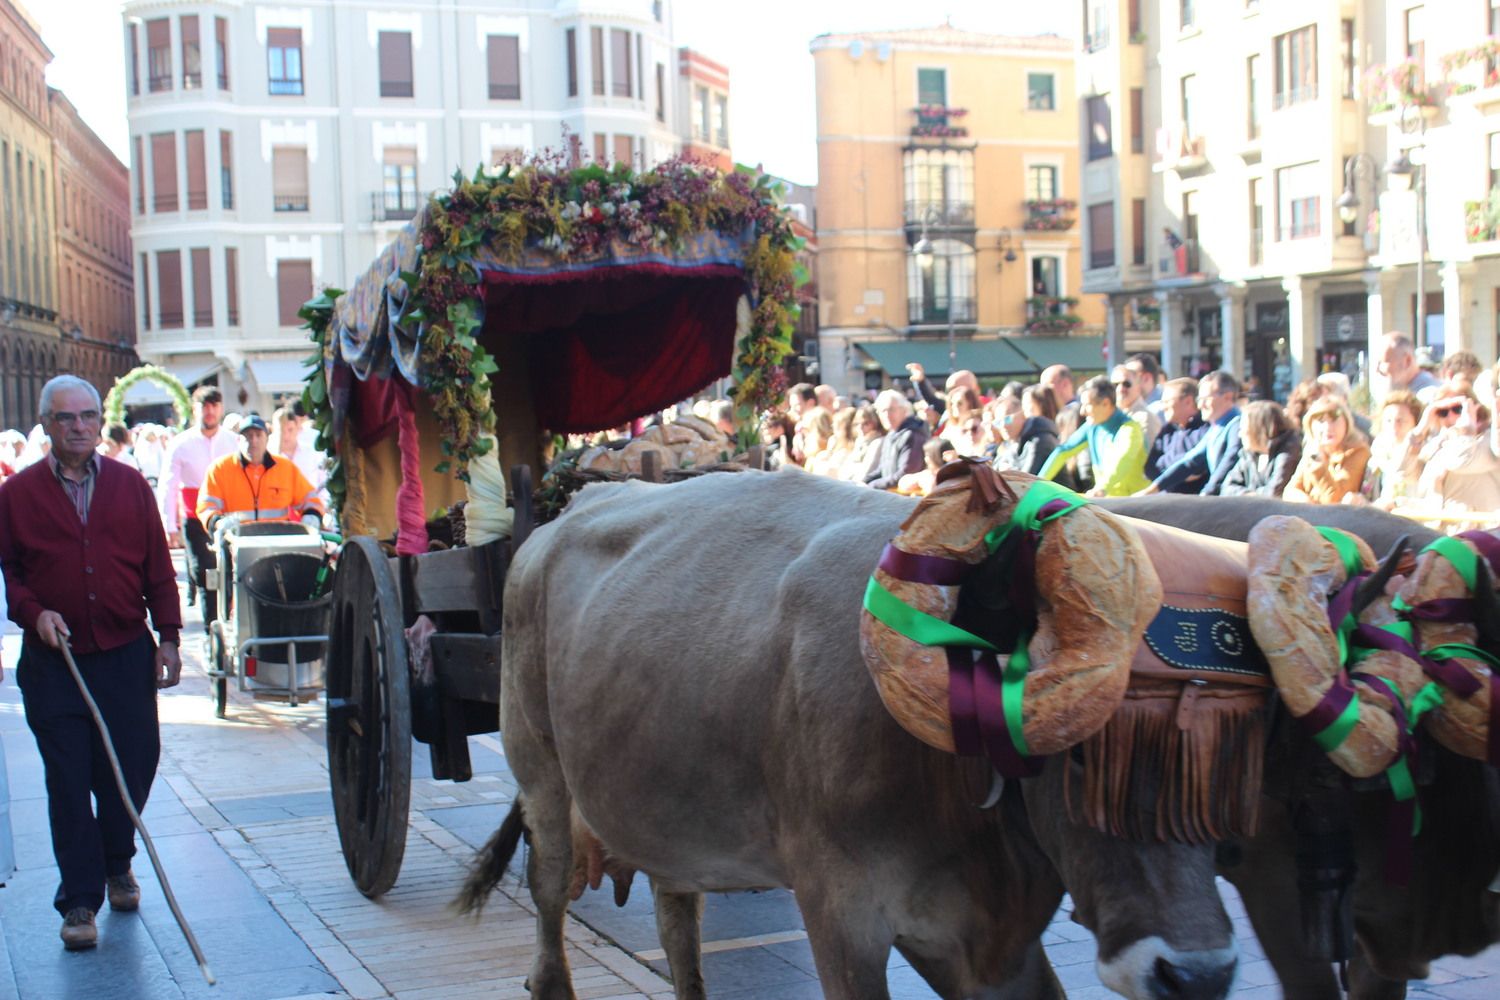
x,y
1077,598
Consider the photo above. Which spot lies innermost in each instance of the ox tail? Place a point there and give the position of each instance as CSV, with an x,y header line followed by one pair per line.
x,y
489,865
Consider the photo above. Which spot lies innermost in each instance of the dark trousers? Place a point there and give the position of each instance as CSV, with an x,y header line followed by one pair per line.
x,y
89,847
198,555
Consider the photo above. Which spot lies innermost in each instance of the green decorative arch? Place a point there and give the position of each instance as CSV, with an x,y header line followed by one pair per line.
x,y
114,403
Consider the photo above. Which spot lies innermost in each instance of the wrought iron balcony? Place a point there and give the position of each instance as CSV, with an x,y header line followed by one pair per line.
x,y
955,310
1179,261
1050,214
940,214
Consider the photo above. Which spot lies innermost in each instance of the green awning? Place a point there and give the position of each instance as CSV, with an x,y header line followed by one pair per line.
x,y
1021,356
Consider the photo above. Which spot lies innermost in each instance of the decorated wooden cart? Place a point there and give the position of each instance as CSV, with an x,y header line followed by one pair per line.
x,y
522,305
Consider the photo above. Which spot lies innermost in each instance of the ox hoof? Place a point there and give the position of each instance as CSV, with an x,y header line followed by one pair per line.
x,y
1191,980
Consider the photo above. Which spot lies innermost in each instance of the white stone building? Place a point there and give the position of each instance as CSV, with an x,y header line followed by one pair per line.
x,y
1218,140
277,146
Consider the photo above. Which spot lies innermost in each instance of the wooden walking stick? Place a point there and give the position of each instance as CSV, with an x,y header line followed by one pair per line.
x,y
135,817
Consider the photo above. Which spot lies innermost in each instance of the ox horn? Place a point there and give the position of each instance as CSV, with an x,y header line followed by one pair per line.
x,y
1096,592
1374,585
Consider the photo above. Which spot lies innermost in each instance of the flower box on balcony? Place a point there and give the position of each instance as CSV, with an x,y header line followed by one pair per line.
x,y
1400,93
1049,215
1060,323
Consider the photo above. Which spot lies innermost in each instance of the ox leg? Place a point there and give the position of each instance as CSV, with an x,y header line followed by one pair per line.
x,y
851,942
549,871
679,920
1268,887
1367,984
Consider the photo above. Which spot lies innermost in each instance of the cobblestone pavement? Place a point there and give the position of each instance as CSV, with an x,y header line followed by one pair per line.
x,y
242,817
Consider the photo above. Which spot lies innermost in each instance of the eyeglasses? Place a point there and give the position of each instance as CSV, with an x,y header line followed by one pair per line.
x,y
1443,412
86,417
1122,385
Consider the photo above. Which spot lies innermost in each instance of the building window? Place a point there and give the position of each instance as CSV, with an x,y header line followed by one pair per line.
x,y
1041,91
940,187
140,176
158,55
1347,57
661,92
596,60
1096,24
145,292
940,285
1046,277
203,296
601,147
164,172
169,288
294,286
1416,41
1190,230
395,64
623,149
620,77
572,41
192,53
289,179
1133,19
1102,235
1041,183
1257,223
504,52
400,182
1101,145
135,60
1188,93
197,171
721,121
1298,201
932,88
1138,231
1296,67
226,169
221,50
232,285
1137,120
702,120
1188,16
1252,96
284,61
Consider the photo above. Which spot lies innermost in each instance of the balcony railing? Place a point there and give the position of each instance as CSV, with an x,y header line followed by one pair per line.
x,y
936,121
940,213
957,310
290,203
285,86
393,206
203,317
1179,261
1296,95
1052,314
1096,39
1050,215
165,202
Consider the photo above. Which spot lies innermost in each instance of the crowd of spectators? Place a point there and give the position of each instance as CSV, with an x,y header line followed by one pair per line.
x,y
1427,447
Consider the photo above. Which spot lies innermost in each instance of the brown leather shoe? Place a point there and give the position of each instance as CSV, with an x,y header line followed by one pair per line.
x,y
124,892
78,930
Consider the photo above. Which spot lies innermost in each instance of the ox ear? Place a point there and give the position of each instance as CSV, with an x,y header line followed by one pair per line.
x,y
1366,593
1486,607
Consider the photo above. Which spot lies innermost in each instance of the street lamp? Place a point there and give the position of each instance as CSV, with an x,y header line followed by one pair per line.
x,y
1399,175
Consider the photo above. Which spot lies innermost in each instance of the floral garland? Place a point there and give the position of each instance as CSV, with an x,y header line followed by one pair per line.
x,y
182,403
317,317
575,214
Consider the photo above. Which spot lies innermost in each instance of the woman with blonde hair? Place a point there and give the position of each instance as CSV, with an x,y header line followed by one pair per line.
x,y
1335,455
867,435
815,432
830,461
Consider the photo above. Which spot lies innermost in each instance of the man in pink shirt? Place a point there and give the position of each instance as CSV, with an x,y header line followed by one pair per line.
x,y
188,459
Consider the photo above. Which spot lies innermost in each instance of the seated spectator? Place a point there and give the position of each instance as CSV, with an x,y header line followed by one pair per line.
x,y
1006,420
1219,448
827,397
1182,427
867,434
777,433
815,433
1304,394
1271,449
1399,364
901,448
1038,437
920,483
1394,451
115,444
831,459
1334,456
1459,371
1145,370
1115,443
1128,392
1459,469
962,404
1076,473
1337,383
721,415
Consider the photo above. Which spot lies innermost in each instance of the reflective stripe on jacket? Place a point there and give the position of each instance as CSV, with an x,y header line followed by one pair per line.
x,y
270,490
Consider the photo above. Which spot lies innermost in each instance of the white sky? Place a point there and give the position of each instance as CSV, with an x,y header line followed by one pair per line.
x,y
764,43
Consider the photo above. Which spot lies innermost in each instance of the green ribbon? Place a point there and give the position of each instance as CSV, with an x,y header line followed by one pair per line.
x,y
1012,692
1025,517
1339,729
1453,650
918,626
1347,549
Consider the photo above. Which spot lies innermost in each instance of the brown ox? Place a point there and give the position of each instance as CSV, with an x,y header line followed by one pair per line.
x,y
1447,907
682,674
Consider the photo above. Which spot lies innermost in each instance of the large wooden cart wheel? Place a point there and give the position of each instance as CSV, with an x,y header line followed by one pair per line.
x,y
369,716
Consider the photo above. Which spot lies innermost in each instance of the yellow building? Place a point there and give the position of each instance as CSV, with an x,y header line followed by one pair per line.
x,y
947,206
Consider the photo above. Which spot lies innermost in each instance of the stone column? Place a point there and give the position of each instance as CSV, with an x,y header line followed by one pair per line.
x,y
1114,330
1458,334
1380,293
1232,327
1171,334
1302,320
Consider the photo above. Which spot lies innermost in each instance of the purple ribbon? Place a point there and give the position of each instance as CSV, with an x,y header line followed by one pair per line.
x,y
1403,813
1446,672
938,571
1444,609
1328,709
1487,544
977,713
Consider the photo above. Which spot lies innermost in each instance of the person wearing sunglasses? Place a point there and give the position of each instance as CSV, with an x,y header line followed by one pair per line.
x,y
1115,443
1128,386
1459,468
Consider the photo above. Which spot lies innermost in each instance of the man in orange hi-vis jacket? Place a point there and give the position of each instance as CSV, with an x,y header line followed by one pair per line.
x,y
254,485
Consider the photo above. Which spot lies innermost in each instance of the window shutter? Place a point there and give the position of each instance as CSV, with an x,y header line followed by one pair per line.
x,y
226,169
135,60
572,36
395,64
504,53
203,303
619,54
232,284
622,149
289,179
145,292
600,148
596,39
192,52
284,38
158,33
197,171
293,287
169,288
140,176
221,39
164,172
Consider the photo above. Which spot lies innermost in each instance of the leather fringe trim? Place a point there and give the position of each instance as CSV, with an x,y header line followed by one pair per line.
x,y
1178,762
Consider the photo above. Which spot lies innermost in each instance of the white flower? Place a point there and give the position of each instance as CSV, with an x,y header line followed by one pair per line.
x,y
572,210
608,208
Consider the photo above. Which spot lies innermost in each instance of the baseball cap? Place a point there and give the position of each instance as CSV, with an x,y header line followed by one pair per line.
x,y
253,422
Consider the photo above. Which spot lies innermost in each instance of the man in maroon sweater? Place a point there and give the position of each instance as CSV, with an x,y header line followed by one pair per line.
x,y
84,558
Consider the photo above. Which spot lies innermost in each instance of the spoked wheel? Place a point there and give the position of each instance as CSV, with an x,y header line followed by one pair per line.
x,y
369,717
